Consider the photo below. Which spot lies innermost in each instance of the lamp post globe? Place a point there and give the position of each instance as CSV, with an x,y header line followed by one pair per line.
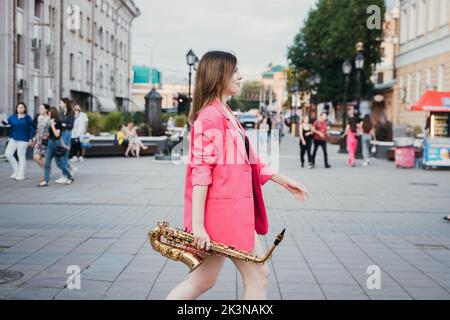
x,y
347,67
190,58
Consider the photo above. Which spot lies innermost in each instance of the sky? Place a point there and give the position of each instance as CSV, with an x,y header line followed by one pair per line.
x,y
257,31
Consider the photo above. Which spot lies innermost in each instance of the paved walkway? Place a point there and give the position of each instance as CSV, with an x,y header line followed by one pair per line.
x,y
356,218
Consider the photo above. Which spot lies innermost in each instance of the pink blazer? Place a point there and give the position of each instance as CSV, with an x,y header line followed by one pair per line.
x,y
234,206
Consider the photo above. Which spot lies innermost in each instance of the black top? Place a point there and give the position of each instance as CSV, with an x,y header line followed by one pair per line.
x,y
68,120
58,126
247,144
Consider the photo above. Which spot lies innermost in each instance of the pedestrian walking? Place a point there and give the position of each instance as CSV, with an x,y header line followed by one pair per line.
x,y
78,132
42,137
320,129
67,119
368,135
351,132
214,210
20,138
306,140
56,149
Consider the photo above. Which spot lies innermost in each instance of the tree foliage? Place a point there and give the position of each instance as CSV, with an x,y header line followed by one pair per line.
x,y
328,38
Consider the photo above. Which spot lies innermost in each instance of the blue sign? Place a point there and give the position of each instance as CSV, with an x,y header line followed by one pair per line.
x,y
446,102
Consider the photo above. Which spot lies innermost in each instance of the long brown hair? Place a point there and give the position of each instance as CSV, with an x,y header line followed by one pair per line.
x,y
54,113
215,71
367,124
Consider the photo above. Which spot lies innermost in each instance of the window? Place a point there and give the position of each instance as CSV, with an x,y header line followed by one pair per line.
x,y
404,24
89,28
107,76
107,42
421,22
71,67
441,75
88,72
380,77
100,77
409,88
100,37
432,14
112,45
429,79
20,59
81,25
37,59
418,85
94,34
444,16
412,20
38,4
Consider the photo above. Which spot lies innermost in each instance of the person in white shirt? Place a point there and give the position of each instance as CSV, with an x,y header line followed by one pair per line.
x,y
79,130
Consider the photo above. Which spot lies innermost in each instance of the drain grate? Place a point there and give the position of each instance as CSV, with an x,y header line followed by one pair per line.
x,y
432,246
9,276
424,184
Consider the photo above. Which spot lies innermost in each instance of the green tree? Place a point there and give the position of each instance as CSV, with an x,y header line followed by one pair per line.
x,y
328,38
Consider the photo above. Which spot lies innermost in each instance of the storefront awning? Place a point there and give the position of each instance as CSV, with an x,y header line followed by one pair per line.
x,y
105,104
434,101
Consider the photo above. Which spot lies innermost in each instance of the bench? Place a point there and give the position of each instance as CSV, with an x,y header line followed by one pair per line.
x,y
106,146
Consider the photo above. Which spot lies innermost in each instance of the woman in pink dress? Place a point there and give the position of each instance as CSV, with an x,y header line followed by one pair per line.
x,y
352,143
223,199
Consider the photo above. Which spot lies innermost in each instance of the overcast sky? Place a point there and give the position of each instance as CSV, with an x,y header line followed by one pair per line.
x,y
258,31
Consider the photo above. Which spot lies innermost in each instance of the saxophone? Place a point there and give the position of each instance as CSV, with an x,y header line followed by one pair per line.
x,y
178,246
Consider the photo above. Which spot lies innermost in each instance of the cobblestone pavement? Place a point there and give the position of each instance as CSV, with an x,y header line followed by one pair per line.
x,y
355,218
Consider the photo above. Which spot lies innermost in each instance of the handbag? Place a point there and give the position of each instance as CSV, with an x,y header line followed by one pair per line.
x,y
45,135
373,149
59,150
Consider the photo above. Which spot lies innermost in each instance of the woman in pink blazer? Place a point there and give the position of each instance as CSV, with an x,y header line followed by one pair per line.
x,y
224,176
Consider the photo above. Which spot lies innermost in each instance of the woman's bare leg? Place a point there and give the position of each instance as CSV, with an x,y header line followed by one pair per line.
x,y
199,281
255,277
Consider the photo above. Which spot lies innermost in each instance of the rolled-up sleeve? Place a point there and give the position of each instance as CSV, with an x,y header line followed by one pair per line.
x,y
266,172
204,152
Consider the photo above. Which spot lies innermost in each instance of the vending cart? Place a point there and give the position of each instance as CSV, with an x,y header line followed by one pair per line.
x,y
436,145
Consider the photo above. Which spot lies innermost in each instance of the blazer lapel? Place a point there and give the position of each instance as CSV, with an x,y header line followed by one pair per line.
x,y
231,129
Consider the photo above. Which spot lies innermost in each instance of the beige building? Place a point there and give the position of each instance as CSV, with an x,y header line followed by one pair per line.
x,y
384,76
423,61
168,91
274,80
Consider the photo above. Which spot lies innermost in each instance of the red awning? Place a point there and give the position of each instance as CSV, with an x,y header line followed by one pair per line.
x,y
434,101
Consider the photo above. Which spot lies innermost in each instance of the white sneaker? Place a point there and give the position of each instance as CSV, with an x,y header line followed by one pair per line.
x,y
19,177
61,180
74,159
14,175
69,181
81,159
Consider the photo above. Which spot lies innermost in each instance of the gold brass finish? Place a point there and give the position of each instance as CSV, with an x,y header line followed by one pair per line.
x,y
178,246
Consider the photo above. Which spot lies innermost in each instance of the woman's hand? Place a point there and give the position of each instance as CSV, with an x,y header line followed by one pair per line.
x,y
299,191
201,238
303,142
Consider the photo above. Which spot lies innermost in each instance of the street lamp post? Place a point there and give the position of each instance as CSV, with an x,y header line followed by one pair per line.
x,y
346,70
314,82
359,64
192,61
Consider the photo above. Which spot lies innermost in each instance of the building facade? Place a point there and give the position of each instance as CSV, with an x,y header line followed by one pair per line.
x,y
274,80
423,61
384,77
79,49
